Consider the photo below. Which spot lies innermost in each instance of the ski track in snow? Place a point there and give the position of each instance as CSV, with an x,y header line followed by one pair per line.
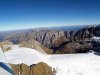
x,y
65,64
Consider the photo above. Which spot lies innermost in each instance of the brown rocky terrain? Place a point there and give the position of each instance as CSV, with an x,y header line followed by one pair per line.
x,y
6,45
40,68
35,45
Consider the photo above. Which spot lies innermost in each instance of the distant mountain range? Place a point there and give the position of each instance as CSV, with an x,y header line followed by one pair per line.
x,y
64,39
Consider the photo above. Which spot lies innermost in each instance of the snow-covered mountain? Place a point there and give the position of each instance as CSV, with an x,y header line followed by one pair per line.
x,y
65,64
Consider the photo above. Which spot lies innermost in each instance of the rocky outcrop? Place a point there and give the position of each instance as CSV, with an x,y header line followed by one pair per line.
x,y
43,69
84,34
6,45
40,68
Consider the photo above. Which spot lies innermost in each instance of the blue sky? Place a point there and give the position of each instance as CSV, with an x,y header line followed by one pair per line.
x,y
22,14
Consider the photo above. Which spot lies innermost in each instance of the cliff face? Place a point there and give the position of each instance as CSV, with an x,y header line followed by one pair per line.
x,y
55,39
50,38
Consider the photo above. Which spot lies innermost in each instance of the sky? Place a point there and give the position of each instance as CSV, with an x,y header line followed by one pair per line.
x,y
23,14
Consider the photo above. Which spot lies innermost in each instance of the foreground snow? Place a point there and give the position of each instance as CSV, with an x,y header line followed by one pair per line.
x,y
65,64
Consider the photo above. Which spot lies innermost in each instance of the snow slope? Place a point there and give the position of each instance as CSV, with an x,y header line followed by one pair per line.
x,y
2,57
65,64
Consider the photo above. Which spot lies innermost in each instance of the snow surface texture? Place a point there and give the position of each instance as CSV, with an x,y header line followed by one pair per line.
x,y
65,64
96,39
2,57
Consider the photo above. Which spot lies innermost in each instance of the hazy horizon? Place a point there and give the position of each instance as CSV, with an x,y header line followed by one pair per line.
x,y
50,27
24,14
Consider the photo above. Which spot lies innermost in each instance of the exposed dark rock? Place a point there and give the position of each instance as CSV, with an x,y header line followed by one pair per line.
x,y
6,45
74,48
